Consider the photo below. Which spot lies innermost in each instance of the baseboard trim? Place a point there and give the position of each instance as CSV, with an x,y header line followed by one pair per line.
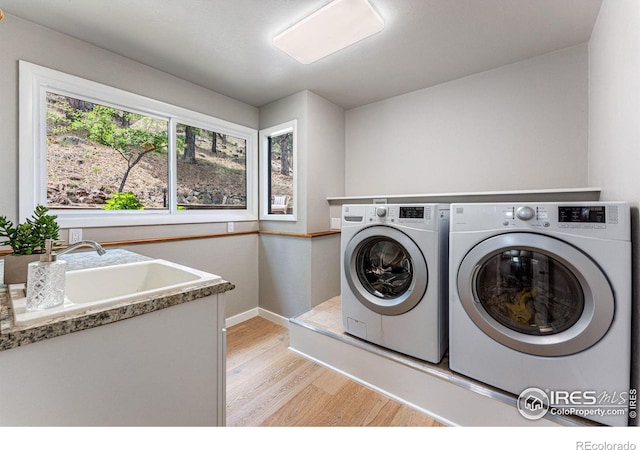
x,y
255,312
239,318
275,318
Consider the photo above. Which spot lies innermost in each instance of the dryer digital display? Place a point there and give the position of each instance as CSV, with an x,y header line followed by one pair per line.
x,y
412,212
581,214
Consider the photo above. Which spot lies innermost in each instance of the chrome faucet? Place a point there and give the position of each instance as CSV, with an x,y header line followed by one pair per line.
x,y
97,247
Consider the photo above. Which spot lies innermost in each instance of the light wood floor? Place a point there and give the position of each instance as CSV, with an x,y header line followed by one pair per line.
x,y
268,385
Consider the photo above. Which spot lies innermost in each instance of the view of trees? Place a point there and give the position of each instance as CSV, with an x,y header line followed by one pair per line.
x,y
281,161
95,152
113,128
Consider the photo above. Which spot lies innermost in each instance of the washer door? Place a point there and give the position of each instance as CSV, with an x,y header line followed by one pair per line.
x,y
535,294
385,270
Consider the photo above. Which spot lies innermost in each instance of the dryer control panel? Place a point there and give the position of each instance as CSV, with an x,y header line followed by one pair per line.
x,y
588,218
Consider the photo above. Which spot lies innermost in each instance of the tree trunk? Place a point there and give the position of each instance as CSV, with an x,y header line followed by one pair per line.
x,y
190,150
131,165
124,120
214,142
284,154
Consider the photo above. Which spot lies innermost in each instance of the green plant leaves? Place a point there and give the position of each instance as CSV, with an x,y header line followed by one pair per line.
x,y
29,237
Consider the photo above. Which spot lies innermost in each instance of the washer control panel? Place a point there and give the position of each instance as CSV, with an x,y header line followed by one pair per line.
x,y
399,214
423,216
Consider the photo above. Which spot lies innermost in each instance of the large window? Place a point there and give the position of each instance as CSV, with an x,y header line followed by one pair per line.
x,y
278,160
100,156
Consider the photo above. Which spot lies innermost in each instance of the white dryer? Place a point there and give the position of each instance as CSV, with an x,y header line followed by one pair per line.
x,y
540,300
394,276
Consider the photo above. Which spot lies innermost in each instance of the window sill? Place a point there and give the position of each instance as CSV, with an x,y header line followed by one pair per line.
x,y
86,219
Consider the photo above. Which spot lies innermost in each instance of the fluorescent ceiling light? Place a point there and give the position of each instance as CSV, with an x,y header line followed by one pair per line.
x,y
333,27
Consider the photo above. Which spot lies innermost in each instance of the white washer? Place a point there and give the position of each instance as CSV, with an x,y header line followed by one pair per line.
x,y
540,297
394,276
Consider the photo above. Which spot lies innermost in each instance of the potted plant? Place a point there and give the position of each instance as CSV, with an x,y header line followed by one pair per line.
x,y
27,242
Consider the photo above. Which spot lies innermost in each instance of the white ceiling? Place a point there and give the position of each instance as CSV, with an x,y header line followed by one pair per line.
x,y
225,45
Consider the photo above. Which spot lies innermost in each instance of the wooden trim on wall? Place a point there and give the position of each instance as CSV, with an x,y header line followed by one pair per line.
x,y
301,235
175,238
205,236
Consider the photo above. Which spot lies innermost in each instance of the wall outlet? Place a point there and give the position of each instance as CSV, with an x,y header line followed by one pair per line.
x,y
229,227
75,235
335,223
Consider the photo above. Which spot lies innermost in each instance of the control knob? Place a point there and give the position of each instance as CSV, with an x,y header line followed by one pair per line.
x,y
525,213
381,211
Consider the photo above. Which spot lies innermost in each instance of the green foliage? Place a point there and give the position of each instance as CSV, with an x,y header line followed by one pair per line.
x,y
28,238
123,200
101,125
132,135
58,122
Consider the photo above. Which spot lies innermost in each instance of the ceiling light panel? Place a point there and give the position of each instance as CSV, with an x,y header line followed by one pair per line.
x,y
335,26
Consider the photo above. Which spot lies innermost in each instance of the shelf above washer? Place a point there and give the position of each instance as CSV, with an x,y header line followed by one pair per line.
x,y
537,195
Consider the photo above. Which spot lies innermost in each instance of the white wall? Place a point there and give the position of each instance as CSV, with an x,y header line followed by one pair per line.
x,y
614,101
614,121
521,126
21,40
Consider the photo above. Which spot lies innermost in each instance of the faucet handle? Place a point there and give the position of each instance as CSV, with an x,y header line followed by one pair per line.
x,y
50,243
49,255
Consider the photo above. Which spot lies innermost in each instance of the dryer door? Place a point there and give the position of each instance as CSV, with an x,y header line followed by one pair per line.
x,y
385,270
535,294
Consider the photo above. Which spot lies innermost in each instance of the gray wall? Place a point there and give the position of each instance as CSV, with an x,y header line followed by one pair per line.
x,y
614,120
293,107
235,258
297,273
326,154
285,274
521,126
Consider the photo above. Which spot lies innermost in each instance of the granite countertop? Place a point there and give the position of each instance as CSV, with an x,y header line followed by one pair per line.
x,y
12,336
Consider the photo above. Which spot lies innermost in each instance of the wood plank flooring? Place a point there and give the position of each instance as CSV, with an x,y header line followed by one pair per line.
x,y
268,385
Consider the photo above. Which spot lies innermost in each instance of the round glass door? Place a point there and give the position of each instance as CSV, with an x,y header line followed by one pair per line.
x,y
535,294
384,267
529,292
385,270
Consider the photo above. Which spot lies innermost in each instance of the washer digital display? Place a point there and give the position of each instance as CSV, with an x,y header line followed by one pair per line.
x,y
581,214
412,212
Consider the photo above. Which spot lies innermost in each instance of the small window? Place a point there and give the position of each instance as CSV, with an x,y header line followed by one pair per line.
x,y
278,174
101,156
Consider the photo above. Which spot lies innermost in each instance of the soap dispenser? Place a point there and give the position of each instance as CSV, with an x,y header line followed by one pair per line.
x,y
46,280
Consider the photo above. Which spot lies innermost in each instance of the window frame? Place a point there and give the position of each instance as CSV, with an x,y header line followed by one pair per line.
x,y
36,80
265,168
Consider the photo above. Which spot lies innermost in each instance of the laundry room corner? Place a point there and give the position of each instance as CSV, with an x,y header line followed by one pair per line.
x,y
299,260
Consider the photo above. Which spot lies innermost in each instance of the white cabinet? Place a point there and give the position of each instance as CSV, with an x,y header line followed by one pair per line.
x,y
164,368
